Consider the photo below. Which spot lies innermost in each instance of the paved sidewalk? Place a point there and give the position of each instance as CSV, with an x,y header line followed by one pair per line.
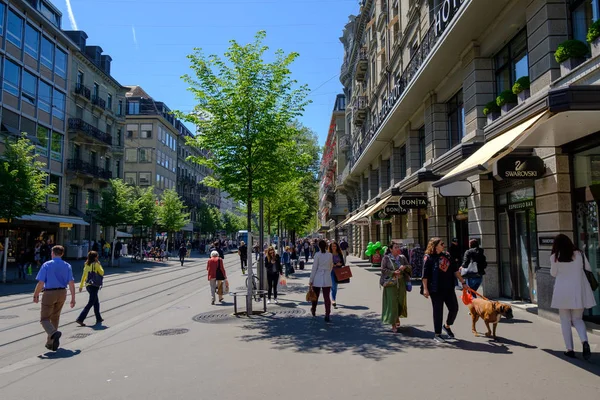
x,y
288,354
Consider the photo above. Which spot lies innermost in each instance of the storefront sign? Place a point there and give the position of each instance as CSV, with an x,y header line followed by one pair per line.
x,y
521,206
413,202
65,225
446,11
546,240
394,209
382,215
519,168
361,221
456,189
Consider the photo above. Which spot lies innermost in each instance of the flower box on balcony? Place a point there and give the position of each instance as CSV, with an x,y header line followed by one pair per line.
x,y
521,89
491,111
570,54
506,101
593,38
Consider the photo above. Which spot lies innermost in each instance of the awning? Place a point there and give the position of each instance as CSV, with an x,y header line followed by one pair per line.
x,y
57,219
376,207
483,159
124,234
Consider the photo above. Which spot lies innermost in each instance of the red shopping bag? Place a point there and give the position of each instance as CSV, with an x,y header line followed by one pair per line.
x,y
282,281
467,297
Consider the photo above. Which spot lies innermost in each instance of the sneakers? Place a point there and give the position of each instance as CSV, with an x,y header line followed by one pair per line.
x,y
587,353
448,331
212,302
276,302
268,301
56,340
80,323
438,339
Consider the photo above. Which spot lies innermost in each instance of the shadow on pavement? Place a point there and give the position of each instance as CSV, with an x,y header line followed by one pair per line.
x,y
98,327
354,308
515,321
58,354
592,366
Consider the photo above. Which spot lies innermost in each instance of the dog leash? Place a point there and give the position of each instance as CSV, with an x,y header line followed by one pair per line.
x,y
478,294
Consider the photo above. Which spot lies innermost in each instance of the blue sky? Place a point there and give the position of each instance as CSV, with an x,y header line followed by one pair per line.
x,y
149,40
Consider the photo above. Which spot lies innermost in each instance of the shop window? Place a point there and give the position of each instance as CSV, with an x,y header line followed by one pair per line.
x,y
587,168
47,53
422,146
45,97
512,62
60,66
29,87
14,29
12,77
32,41
456,119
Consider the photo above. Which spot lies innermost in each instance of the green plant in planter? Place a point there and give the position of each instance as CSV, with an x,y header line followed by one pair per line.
x,y
570,49
506,97
521,84
594,32
490,108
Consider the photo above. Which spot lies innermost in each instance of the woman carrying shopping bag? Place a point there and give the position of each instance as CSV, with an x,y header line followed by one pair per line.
x,y
320,278
338,262
216,275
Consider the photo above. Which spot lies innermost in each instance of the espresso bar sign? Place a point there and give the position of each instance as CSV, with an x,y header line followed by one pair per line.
x,y
520,168
413,202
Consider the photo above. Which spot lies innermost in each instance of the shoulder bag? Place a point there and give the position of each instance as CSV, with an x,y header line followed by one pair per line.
x,y
390,280
589,275
94,278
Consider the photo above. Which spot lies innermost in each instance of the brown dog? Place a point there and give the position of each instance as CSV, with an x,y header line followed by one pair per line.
x,y
490,312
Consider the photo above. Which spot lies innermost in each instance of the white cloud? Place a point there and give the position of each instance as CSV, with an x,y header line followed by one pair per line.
x,y
71,15
134,36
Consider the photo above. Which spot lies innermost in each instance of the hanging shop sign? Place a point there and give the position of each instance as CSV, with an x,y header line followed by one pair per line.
x,y
361,221
65,225
456,189
413,202
381,215
530,167
546,240
395,209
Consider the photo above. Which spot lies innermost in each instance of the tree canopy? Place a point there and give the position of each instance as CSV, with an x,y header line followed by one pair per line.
x,y
171,212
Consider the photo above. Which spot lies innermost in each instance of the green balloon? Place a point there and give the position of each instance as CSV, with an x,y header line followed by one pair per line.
x,y
367,253
370,244
384,248
378,244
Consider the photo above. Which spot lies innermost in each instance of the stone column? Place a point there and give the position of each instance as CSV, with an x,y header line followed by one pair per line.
x,y
413,226
373,183
436,129
364,240
384,175
364,190
396,170
554,215
478,90
547,27
413,162
436,210
482,226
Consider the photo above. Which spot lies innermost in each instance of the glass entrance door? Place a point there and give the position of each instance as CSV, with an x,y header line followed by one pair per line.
x,y
587,233
504,254
523,268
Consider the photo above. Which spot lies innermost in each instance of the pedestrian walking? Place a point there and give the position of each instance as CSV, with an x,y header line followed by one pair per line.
x,y
473,265
37,257
217,247
53,277
416,261
216,275
182,253
274,271
395,276
243,253
439,273
344,247
286,259
572,292
91,269
294,257
320,278
306,250
338,261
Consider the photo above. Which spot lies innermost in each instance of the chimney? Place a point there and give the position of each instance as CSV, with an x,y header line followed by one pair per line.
x,y
78,37
105,66
95,54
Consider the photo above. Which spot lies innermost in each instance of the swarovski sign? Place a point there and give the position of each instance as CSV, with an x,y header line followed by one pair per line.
x,y
445,12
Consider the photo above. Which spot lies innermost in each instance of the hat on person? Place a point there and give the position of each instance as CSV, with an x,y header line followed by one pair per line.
x,y
214,254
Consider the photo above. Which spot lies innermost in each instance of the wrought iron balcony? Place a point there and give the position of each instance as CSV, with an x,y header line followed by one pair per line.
x,y
98,101
82,91
344,142
360,110
362,64
77,124
84,167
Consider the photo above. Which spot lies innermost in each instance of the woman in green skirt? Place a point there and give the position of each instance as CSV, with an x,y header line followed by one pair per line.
x,y
395,274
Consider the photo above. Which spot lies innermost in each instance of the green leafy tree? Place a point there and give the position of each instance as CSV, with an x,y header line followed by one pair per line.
x,y
245,111
171,212
145,203
22,181
232,223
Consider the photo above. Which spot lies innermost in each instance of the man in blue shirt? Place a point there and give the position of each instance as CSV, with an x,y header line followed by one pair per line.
x,y
53,277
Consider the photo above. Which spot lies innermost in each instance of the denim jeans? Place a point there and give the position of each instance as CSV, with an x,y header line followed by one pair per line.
x,y
474,283
92,302
334,286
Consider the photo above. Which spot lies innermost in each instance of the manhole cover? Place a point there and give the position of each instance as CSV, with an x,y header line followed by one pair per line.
x,y
172,332
287,312
8,316
213,317
80,335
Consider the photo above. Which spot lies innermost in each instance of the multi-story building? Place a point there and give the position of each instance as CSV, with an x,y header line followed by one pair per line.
x,y
227,203
96,125
333,205
418,75
36,84
150,142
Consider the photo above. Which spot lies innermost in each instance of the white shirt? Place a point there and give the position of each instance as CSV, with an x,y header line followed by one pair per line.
x,y
571,288
320,275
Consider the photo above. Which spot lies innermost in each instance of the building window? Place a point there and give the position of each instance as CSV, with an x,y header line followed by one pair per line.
x,y
47,53
29,87
80,78
131,178
402,162
50,14
107,163
109,102
42,135
131,155
145,178
119,137
132,131
96,90
60,67
145,155
146,131
120,109
14,29
90,199
118,168
422,146
32,41
56,146
583,13
45,97
133,107
12,77
2,12
58,105
54,197
456,119
512,62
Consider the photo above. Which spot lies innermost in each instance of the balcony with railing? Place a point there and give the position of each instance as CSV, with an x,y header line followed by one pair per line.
x,y
362,64
99,102
79,125
359,113
344,142
86,168
83,91
341,178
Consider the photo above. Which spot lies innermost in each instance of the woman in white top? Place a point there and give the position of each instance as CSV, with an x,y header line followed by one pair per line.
x,y
572,292
320,278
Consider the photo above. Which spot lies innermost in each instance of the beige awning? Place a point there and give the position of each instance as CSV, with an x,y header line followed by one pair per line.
x,y
483,159
376,207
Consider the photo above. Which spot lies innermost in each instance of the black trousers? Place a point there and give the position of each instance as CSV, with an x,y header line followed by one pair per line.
x,y
244,262
93,301
181,258
438,300
306,254
272,281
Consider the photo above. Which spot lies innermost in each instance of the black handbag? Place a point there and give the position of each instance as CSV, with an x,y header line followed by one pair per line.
x,y
94,278
589,275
